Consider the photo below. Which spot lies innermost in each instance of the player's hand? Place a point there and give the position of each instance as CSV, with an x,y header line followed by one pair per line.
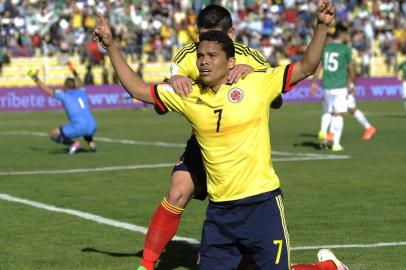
x,y
102,32
182,85
238,72
325,11
313,89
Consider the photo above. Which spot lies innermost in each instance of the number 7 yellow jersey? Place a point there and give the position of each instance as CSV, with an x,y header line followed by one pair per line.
x,y
231,126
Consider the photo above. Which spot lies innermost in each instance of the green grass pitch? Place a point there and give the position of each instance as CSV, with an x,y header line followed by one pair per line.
x,y
352,205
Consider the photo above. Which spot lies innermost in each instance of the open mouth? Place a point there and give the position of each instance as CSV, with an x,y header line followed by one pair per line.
x,y
204,72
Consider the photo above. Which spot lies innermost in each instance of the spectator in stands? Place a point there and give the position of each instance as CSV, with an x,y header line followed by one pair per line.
x,y
89,78
105,75
36,43
53,22
94,55
2,54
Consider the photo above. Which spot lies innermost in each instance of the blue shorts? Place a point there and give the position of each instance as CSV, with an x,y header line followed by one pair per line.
x,y
253,226
76,130
191,161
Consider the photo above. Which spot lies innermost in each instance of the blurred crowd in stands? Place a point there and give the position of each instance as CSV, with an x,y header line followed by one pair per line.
x,y
153,30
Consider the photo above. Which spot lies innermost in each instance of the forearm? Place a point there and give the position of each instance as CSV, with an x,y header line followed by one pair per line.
x,y
44,88
130,81
78,81
311,58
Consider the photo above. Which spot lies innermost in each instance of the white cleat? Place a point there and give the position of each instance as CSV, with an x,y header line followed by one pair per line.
x,y
327,255
74,147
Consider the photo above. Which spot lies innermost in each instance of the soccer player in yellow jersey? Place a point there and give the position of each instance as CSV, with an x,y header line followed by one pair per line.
x,y
230,121
188,178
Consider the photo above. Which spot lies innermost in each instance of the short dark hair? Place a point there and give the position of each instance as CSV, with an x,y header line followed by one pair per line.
x,y
214,16
69,83
221,38
340,29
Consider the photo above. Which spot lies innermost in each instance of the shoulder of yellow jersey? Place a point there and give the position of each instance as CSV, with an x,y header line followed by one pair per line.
x,y
245,51
187,51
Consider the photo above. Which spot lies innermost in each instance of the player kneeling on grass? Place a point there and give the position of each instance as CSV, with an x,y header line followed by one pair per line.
x,y
76,105
245,215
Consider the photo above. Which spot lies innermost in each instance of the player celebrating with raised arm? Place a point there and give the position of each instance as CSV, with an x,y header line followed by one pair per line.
x,y
76,105
230,122
188,178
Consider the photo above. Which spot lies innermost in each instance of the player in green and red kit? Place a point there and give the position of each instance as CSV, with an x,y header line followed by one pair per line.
x,y
338,85
402,68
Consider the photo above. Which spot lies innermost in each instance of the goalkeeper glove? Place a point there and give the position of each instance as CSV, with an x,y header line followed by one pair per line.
x,y
72,69
33,74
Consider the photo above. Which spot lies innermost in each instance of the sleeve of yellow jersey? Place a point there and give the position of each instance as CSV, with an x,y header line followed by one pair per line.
x,y
166,100
277,81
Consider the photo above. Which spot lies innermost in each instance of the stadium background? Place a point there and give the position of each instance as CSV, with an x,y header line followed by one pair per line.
x,y
351,202
46,35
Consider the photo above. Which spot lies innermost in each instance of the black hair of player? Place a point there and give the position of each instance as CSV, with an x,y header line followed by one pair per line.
x,y
69,83
340,29
214,16
221,38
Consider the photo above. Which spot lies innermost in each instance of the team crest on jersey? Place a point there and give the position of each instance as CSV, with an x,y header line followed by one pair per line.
x,y
235,95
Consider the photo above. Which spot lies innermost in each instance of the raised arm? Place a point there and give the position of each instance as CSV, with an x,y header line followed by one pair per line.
x,y
133,84
78,80
311,58
34,76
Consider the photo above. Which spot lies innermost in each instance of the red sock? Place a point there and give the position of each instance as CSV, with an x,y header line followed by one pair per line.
x,y
326,265
162,229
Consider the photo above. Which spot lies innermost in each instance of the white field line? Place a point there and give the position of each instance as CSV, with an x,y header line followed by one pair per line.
x,y
143,230
101,139
87,170
149,166
87,216
372,113
286,157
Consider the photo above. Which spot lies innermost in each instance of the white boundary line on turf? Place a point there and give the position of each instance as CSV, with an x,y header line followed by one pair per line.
x,y
101,139
149,166
143,230
87,170
166,144
286,157
87,216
